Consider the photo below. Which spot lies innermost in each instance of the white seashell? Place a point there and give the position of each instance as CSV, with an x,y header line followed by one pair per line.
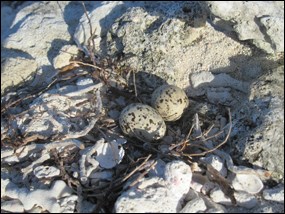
x,y
109,154
250,183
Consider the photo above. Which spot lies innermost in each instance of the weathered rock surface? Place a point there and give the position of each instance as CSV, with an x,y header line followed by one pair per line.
x,y
36,34
156,194
172,42
14,71
261,135
260,21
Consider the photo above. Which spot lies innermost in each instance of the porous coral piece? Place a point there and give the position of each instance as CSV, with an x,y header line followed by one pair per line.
x,y
156,194
45,198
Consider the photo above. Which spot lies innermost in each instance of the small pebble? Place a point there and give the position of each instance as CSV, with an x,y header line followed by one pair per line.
x,y
216,162
274,194
167,139
194,206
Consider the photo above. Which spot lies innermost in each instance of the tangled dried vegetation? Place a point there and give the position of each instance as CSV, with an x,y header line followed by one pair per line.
x,y
79,115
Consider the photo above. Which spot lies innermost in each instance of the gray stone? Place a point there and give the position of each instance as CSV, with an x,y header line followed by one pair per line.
x,y
155,194
275,194
102,18
37,33
260,21
152,36
261,132
194,206
216,162
16,71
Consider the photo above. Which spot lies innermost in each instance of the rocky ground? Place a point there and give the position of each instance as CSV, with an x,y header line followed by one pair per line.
x,y
63,88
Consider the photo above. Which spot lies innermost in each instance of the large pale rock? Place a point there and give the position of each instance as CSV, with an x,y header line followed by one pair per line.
x,y
194,206
153,37
41,30
36,34
275,194
101,18
15,71
259,21
156,194
261,132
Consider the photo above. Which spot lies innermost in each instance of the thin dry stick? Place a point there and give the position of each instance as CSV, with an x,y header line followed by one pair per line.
x,y
87,64
187,138
184,142
135,86
91,50
136,169
219,145
209,129
212,136
190,131
30,96
143,174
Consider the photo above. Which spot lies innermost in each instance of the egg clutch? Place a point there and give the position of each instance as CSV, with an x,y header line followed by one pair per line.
x,y
147,123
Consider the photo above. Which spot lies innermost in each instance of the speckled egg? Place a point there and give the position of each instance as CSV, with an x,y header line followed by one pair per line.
x,y
142,121
170,102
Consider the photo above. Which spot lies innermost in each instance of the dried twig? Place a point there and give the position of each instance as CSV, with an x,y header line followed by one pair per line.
x,y
87,64
223,183
143,174
220,144
137,168
135,85
209,129
91,50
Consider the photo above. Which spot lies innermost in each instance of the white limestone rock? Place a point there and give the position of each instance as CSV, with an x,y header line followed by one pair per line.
x,y
216,162
260,21
194,206
243,199
35,36
45,198
156,194
13,206
14,70
275,194
218,196
66,53
102,17
262,142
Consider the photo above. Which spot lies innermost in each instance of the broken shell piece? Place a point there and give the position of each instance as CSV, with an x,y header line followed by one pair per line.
x,y
109,154
250,183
